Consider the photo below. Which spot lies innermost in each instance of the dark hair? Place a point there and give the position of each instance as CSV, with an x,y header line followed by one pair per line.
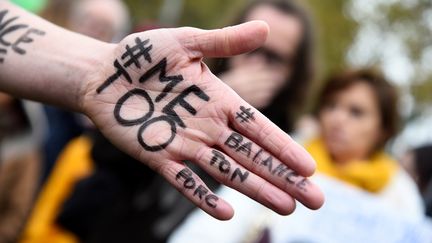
x,y
423,165
385,93
291,97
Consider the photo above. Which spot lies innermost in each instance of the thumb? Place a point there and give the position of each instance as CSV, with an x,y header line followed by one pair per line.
x,y
224,42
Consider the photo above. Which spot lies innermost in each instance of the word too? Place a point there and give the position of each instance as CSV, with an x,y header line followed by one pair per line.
x,y
132,56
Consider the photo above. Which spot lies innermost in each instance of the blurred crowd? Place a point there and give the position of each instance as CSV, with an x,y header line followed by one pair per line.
x,y
62,181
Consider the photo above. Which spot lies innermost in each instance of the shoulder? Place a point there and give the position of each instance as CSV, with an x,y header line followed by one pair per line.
x,y
402,193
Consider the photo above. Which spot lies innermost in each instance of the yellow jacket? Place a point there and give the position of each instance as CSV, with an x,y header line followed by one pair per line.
x,y
371,175
73,164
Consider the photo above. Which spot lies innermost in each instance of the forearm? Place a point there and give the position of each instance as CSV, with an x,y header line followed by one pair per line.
x,y
152,96
43,62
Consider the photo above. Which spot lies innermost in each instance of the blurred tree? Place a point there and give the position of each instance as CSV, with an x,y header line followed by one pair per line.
x,y
413,24
144,10
31,5
396,36
365,29
210,13
202,14
335,30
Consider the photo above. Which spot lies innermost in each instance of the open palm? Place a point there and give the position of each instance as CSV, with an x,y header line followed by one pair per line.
x,y
156,100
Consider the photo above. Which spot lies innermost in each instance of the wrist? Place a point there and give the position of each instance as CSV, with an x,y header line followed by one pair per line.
x,y
91,64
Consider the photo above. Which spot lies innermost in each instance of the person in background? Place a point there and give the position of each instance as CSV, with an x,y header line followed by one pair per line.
x,y
103,20
19,167
418,163
274,78
20,158
357,112
357,115
72,137
82,68
106,232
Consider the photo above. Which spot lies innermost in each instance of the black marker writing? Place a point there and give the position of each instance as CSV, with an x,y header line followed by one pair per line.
x,y
268,163
280,170
25,38
224,166
120,71
186,174
199,191
218,158
234,141
9,26
170,117
290,175
245,148
160,145
2,52
161,69
143,51
133,55
257,155
238,173
237,143
302,184
180,101
124,98
245,114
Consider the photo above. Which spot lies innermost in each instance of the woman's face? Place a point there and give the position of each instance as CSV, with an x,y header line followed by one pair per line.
x,y
281,45
351,123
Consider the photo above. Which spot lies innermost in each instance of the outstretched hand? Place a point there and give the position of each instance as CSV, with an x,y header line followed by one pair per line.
x,y
156,100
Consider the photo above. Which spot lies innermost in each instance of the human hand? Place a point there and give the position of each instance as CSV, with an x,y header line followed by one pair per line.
x,y
156,100
255,82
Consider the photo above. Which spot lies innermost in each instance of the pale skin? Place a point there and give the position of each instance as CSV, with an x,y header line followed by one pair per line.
x,y
351,123
68,70
252,76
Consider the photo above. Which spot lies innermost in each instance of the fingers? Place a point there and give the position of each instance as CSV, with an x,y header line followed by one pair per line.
x,y
227,171
255,126
193,188
265,165
225,42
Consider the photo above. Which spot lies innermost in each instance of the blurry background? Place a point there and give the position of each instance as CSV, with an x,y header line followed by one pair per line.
x,y
394,35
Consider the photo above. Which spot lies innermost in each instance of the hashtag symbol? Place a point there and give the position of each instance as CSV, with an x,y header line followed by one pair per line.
x,y
136,52
245,114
